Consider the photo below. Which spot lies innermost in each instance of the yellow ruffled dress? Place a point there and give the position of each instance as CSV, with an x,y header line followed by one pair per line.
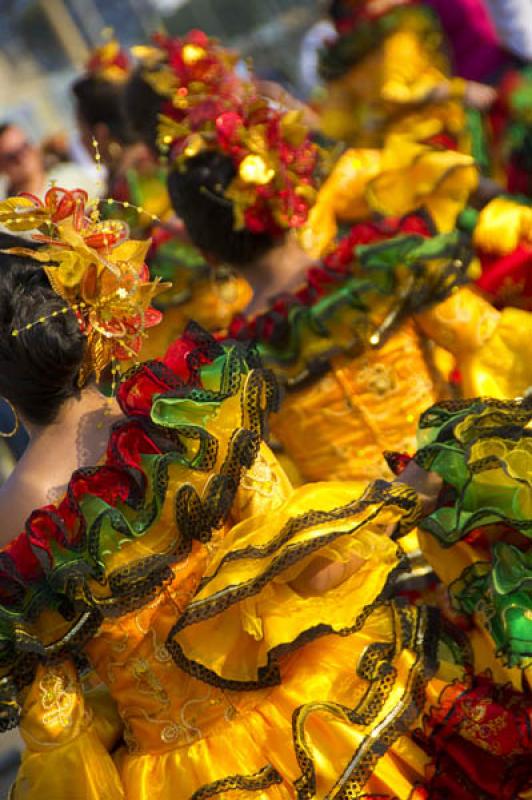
x,y
400,178
361,363
380,79
172,568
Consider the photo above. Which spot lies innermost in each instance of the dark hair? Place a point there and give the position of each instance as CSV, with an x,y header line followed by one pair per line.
x,y
142,106
196,191
101,101
5,126
39,367
338,11
197,197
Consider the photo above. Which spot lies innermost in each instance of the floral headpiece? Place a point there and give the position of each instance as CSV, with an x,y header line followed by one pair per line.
x,y
186,69
110,63
351,13
93,266
208,106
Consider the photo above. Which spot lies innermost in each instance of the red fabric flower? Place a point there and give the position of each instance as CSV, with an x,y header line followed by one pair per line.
x,y
128,444
480,738
135,394
507,280
19,551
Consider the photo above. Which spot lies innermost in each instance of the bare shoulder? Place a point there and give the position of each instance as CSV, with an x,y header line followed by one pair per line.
x,y
21,494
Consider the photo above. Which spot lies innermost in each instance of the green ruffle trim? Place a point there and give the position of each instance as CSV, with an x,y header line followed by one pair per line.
x,y
358,309
483,451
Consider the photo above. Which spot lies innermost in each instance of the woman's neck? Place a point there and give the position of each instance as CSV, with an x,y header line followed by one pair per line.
x,y
281,269
132,157
89,403
77,438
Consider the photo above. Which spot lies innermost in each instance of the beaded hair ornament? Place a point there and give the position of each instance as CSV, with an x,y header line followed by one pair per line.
x,y
94,267
207,106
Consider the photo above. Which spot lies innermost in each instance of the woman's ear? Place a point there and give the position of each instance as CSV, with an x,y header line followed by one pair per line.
x,y
102,134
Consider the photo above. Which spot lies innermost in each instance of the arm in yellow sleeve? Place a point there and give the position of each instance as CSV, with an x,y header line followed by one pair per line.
x,y
342,197
409,72
65,757
493,348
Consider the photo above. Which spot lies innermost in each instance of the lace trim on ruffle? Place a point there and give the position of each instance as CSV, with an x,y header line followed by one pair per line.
x,y
466,440
261,780
333,309
379,494
65,586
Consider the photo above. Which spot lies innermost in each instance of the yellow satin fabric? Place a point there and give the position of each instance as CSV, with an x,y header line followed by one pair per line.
x,y
181,734
65,759
385,90
338,427
212,304
493,348
502,226
257,731
402,177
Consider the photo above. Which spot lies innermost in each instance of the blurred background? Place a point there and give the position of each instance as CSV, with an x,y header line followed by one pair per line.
x,y
45,43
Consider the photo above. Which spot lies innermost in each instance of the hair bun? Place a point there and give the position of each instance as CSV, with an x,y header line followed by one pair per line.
x,y
39,368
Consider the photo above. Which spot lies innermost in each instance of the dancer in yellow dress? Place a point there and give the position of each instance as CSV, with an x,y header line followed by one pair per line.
x,y
348,346
243,630
137,180
387,73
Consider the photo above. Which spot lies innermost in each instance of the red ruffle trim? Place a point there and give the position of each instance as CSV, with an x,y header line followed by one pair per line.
x,y
507,280
120,478
333,270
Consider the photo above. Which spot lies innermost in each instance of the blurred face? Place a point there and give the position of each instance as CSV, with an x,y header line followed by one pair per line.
x,y
20,161
100,132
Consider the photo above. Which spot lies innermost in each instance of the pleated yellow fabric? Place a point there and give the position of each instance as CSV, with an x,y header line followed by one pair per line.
x,y
339,426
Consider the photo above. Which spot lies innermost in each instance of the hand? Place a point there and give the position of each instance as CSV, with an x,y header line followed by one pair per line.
x,y
427,485
479,96
274,91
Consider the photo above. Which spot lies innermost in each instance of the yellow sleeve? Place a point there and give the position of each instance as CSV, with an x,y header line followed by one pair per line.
x,y
402,177
63,748
493,348
409,73
342,197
